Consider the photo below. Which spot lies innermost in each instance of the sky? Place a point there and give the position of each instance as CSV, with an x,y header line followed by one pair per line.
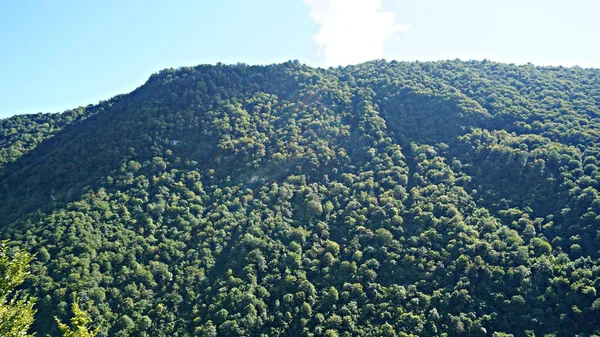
x,y
60,54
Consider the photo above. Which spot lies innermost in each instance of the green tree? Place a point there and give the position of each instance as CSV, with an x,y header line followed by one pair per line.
x,y
79,323
16,309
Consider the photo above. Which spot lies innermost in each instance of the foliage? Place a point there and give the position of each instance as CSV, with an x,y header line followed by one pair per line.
x,y
79,322
16,309
383,199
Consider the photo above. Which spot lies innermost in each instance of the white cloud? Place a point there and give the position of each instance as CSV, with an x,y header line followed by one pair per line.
x,y
351,31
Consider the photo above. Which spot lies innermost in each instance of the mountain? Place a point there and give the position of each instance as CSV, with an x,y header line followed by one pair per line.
x,y
383,199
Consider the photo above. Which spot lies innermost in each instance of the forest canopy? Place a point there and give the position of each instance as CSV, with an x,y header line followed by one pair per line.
x,y
383,199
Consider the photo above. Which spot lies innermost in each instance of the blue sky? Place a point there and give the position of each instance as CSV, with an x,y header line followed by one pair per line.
x,y
56,55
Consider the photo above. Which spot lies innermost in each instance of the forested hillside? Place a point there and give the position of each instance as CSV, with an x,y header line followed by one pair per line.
x,y
383,199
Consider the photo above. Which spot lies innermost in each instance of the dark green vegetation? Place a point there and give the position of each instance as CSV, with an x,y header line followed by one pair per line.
x,y
383,199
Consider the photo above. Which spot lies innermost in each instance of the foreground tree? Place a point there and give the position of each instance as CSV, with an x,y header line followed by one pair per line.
x,y
79,322
16,309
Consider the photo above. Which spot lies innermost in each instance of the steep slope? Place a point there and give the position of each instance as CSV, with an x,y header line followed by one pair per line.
x,y
376,200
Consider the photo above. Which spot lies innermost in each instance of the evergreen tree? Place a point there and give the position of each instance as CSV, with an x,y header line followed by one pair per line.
x,y
16,309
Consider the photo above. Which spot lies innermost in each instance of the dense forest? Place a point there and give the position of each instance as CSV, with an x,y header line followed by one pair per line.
x,y
383,199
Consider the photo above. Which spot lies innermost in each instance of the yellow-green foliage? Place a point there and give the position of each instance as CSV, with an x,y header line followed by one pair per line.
x,y
79,324
16,309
